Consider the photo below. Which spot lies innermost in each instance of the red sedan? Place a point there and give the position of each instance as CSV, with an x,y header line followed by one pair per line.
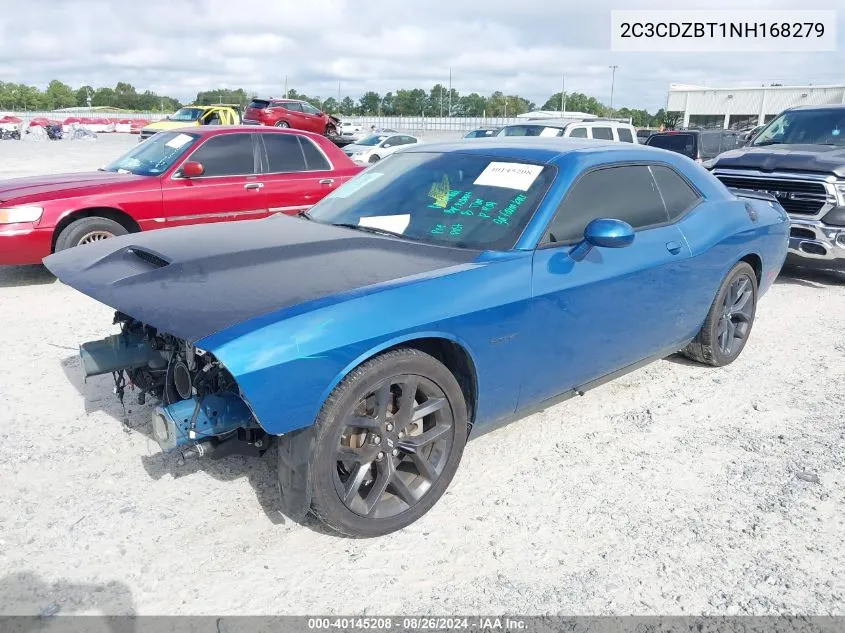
x,y
189,176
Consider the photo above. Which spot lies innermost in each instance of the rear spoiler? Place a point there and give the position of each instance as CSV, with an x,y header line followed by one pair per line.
x,y
753,195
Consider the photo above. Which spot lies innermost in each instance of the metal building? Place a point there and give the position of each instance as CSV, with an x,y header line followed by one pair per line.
x,y
744,107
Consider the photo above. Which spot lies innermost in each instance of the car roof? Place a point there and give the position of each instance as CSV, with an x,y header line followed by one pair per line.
x,y
539,149
214,130
565,122
827,106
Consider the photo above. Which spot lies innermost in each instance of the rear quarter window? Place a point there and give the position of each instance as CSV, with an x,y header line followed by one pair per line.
x,y
625,135
680,143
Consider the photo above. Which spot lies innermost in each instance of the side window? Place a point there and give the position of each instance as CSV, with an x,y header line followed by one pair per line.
x,y
392,141
293,107
314,158
677,194
408,140
709,144
307,108
623,193
578,132
604,133
625,135
226,155
284,154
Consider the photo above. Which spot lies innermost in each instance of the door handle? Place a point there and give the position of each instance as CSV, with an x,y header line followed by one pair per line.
x,y
327,181
673,247
253,185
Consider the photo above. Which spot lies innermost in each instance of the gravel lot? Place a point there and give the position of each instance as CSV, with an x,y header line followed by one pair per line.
x,y
677,489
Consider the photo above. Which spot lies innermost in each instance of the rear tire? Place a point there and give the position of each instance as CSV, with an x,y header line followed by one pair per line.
x,y
87,230
282,124
388,442
728,324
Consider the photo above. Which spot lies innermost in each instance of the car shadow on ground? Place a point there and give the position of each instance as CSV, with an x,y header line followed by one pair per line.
x,y
35,601
13,276
810,278
261,472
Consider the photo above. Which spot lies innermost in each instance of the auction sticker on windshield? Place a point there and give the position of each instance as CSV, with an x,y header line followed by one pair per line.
x,y
392,223
509,175
179,140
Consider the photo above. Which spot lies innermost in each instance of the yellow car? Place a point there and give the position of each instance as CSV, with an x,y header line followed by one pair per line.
x,y
217,114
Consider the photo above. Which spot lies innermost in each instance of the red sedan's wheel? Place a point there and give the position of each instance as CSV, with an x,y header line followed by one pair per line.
x,y
282,124
87,231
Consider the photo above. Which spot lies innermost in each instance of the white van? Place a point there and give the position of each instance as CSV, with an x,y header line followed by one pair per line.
x,y
569,128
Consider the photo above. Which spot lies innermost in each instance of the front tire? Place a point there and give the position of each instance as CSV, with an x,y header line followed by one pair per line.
x,y
374,159
88,230
728,324
389,440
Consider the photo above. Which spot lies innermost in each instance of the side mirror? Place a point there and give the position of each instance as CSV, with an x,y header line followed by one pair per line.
x,y
192,169
603,232
386,145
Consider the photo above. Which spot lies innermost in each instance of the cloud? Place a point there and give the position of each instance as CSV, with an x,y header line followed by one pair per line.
x,y
180,47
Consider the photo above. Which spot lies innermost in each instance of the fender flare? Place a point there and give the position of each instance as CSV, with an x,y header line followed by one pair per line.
x,y
394,342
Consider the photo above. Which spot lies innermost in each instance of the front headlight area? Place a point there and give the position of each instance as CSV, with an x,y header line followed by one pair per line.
x,y
20,214
200,410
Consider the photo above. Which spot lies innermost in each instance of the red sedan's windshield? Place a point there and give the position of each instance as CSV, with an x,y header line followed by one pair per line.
x,y
154,156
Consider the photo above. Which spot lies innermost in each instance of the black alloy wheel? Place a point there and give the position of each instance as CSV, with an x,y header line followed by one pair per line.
x,y
729,321
390,440
737,313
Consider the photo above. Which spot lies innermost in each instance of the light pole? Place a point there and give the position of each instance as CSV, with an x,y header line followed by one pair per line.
x,y
612,83
563,97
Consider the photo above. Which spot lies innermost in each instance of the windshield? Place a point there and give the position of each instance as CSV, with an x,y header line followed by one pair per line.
x,y
186,114
680,143
811,127
450,199
155,155
531,130
374,139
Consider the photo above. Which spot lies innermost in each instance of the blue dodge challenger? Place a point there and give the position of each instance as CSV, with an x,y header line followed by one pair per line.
x,y
444,291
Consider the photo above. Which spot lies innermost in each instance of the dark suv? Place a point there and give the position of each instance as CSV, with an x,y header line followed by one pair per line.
x,y
700,145
800,159
292,113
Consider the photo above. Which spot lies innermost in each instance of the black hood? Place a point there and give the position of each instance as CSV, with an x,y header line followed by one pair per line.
x,y
822,159
194,281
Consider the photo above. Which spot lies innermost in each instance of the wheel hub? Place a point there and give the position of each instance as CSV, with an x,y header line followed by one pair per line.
x,y
404,429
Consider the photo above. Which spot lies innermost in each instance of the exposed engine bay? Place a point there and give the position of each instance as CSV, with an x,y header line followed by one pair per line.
x,y
200,411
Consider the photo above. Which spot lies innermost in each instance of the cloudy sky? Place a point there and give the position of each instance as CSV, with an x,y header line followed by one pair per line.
x,y
178,47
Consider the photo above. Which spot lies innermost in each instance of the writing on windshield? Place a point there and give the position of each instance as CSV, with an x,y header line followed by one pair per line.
x,y
465,200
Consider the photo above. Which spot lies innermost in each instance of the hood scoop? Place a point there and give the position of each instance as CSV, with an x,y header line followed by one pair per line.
x,y
151,258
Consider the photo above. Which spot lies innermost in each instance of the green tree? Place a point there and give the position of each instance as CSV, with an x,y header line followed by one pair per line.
x,y
411,102
331,106
103,97
347,106
82,96
388,104
236,96
60,95
472,104
369,102
125,96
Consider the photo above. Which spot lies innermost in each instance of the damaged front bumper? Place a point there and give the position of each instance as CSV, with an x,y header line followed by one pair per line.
x,y
201,411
